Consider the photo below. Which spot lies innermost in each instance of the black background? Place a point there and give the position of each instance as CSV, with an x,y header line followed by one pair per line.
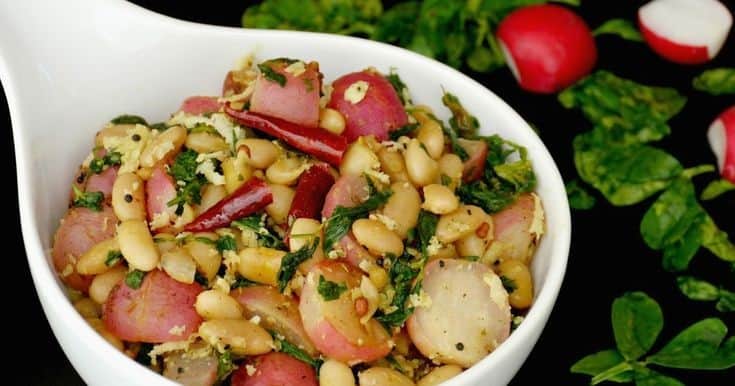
x,y
607,257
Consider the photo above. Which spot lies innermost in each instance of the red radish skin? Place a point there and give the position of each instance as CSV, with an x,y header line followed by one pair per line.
x,y
160,189
474,166
513,229
334,326
249,198
102,182
547,46
378,113
161,310
685,31
277,313
80,230
721,136
297,101
198,105
274,369
319,143
311,191
347,191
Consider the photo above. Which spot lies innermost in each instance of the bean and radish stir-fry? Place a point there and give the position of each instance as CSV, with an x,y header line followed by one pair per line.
x,y
295,232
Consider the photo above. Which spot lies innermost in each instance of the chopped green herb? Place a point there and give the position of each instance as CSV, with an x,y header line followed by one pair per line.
x,y
127,119
291,349
509,284
462,122
402,274
579,197
134,278
403,130
399,86
89,200
271,74
256,223
620,27
717,81
291,262
339,223
226,243
330,290
225,366
446,180
98,165
242,282
184,170
160,126
113,257
426,228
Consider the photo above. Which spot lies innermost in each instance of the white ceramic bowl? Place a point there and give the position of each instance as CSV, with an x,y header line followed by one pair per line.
x,y
69,66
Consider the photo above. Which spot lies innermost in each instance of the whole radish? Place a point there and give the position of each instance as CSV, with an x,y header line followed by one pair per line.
x,y
685,31
721,136
548,47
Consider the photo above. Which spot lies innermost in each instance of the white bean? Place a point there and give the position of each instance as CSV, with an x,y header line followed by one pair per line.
x,y
460,223
382,376
430,134
94,261
303,232
331,120
451,165
260,264
403,207
422,169
261,153
205,255
439,374
102,284
162,146
335,373
203,142
392,164
128,197
215,304
439,199
282,198
211,195
376,237
137,246
88,308
236,171
241,336
357,159
285,171
179,264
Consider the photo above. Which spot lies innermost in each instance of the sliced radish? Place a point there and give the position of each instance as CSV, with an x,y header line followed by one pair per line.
x,y
102,182
369,104
297,100
685,31
277,313
160,189
334,325
474,166
517,229
347,191
548,47
721,136
274,369
190,370
80,230
198,105
161,310
466,312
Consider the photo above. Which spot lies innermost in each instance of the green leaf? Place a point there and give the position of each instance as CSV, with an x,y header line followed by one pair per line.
x,y
426,228
401,89
637,320
716,241
623,111
620,27
225,366
330,290
127,119
717,188
464,123
406,129
134,278
701,346
579,197
98,165
271,74
89,200
286,347
256,223
624,174
397,25
402,274
716,81
599,362
291,262
726,302
647,377
339,223
509,284
226,243
113,257
697,289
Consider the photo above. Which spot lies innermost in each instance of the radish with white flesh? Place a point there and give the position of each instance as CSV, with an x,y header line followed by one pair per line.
x,y
547,47
334,325
517,229
474,166
463,314
190,370
288,90
274,369
160,189
198,105
721,136
102,182
369,105
276,312
80,230
161,310
685,31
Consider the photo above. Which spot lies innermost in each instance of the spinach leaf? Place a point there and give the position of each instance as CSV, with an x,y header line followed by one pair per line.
x,y
621,110
225,366
189,183
624,174
127,119
256,223
271,74
697,289
330,290
98,165
402,274
403,130
291,262
717,188
716,81
600,362
339,223
397,83
716,241
226,243
134,278
398,24
463,123
637,320
113,257
426,228
579,197
726,302
89,200
647,377
700,346
620,27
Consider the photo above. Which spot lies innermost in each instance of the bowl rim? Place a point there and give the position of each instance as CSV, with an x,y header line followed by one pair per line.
x,y
50,290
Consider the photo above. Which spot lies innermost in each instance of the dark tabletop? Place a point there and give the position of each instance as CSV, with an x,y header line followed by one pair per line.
x,y
608,256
